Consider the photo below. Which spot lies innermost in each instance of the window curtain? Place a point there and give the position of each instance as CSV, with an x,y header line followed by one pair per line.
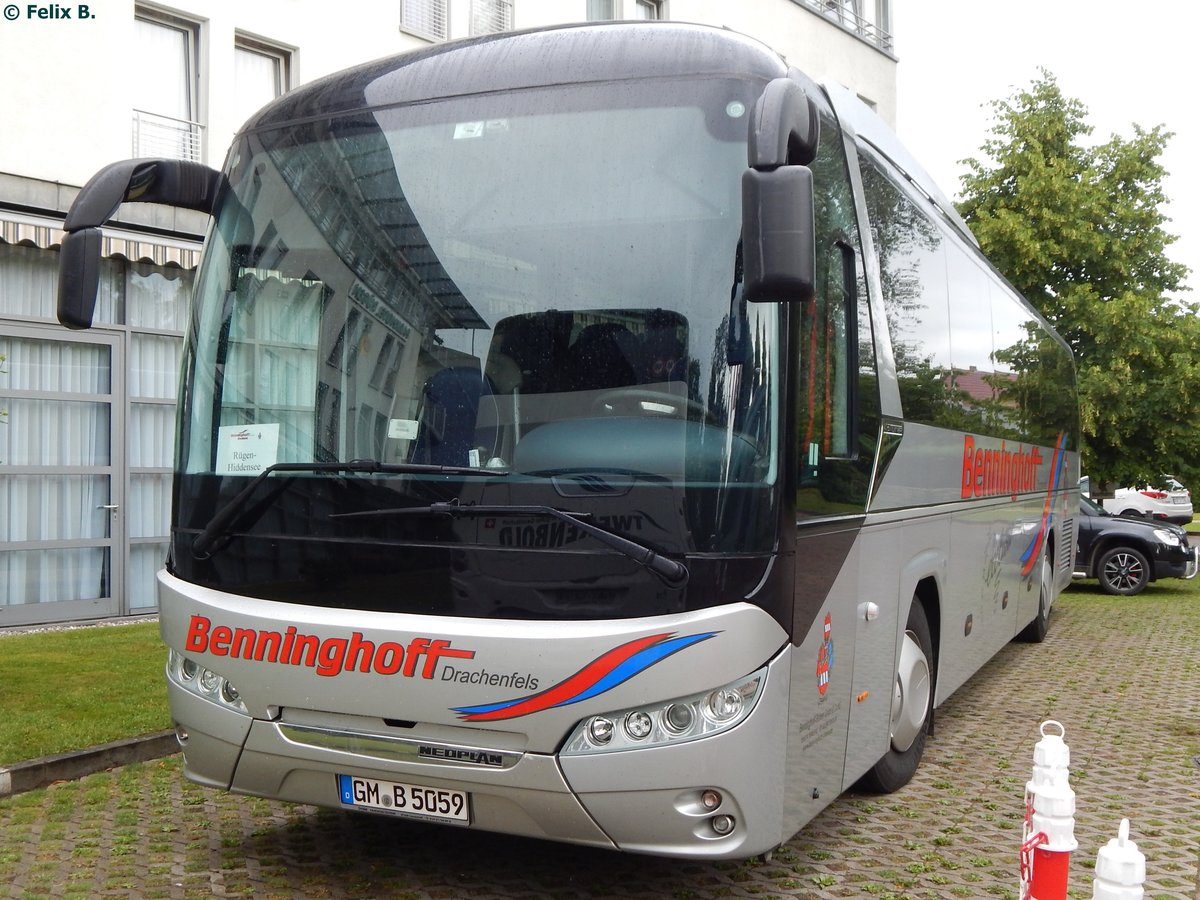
x,y
491,16
257,80
600,10
424,17
29,285
164,67
157,302
43,433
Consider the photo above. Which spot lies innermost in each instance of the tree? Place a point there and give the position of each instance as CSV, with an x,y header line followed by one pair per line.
x,y
1079,231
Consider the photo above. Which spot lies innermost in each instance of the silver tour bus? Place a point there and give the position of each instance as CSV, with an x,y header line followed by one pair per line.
x,y
605,434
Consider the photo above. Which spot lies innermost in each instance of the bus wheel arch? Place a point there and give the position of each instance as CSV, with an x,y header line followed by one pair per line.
x,y
912,701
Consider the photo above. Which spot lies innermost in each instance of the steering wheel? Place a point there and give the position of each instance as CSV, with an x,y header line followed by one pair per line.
x,y
635,401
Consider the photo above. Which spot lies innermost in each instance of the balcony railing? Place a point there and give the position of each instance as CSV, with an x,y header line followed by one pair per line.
x,y
155,135
846,13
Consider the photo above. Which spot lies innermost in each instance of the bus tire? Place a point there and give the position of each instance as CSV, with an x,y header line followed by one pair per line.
x,y
1035,631
912,708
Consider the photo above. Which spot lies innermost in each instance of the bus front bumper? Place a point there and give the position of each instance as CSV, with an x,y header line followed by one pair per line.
x,y
715,797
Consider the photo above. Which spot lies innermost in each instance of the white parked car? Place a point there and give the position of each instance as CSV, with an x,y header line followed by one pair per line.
x,y
1167,500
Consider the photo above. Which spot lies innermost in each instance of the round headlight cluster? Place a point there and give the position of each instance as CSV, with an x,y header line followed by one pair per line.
x,y
682,719
638,724
202,682
600,730
724,705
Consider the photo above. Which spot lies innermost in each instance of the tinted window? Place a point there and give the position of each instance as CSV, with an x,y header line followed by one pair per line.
x,y
837,408
912,265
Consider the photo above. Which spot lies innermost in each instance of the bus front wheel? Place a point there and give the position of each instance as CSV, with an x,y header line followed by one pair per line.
x,y
912,708
1035,631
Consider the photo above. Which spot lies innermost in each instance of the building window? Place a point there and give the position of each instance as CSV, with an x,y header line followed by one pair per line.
x,y
647,9
491,16
600,10
870,20
260,74
166,88
425,18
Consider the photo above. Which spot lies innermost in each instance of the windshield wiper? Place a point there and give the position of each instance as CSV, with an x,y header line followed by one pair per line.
x,y
224,517
673,574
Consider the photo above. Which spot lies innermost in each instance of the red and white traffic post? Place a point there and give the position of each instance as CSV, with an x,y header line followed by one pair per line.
x,y
1120,869
1049,833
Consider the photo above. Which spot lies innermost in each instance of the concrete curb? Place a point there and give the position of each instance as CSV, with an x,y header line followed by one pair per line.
x,y
35,773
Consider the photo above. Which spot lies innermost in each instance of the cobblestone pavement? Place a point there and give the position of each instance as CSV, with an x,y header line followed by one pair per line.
x,y
1123,676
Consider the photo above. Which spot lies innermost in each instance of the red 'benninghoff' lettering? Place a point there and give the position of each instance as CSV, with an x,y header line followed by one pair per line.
x,y
330,656
992,473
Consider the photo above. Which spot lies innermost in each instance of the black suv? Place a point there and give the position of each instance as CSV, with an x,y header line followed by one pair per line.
x,y
1126,553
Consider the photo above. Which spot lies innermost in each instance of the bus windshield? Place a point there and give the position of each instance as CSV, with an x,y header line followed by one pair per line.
x,y
538,285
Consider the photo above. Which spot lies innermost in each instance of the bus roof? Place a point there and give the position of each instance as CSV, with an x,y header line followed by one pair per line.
x,y
587,52
523,59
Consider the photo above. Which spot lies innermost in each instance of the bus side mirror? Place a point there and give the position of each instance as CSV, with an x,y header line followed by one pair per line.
x,y
174,182
778,242
78,277
778,225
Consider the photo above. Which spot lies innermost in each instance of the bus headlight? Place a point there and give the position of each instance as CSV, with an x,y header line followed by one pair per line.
x,y
600,730
639,725
724,705
195,679
672,721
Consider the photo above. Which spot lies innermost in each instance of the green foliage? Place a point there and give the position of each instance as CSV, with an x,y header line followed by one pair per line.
x,y
1079,230
64,690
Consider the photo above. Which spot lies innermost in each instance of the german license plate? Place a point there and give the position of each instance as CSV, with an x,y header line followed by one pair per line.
x,y
409,800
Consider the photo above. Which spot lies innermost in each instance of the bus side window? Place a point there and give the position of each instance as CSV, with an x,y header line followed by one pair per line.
x,y
836,402
827,346
912,252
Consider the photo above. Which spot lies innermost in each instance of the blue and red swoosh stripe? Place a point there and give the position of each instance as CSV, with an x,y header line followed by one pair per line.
x,y
1030,556
602,674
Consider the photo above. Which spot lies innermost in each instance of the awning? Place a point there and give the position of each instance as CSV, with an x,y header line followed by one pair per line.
x,y
46,234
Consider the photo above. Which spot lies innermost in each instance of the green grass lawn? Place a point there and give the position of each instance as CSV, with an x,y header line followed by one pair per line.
x,y
64,690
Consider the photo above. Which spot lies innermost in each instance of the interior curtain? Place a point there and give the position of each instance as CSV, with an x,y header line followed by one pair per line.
x,y
157,302
52,432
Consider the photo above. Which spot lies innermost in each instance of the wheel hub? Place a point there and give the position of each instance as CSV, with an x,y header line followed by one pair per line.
x,y
911,696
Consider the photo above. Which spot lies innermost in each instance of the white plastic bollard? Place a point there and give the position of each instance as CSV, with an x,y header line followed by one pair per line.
x,y
1049,834
1120,869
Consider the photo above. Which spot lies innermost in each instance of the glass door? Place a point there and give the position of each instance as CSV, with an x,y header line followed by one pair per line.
x,y
62,453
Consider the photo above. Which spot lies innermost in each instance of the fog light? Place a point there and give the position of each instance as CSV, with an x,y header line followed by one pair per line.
x,y
638,725
722,825
188,669
600,730
181,734
678,718
710,799
230,694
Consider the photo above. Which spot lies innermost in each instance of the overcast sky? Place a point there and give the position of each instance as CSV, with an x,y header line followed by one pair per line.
x,y
1126,62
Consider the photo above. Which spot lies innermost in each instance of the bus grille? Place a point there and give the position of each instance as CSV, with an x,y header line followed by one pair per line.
x,y
1066,546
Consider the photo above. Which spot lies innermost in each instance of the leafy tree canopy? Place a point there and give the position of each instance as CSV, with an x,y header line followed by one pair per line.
x,y
1078,229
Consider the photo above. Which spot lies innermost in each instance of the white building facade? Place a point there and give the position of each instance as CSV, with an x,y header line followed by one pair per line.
x,y
86,418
